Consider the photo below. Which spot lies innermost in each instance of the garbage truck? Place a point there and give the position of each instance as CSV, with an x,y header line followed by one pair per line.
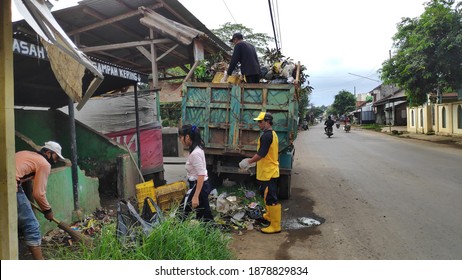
x,y
225,112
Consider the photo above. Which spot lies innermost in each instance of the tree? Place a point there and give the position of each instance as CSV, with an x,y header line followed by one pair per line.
x,y
428,52
304,100
316,112
259,40
344,102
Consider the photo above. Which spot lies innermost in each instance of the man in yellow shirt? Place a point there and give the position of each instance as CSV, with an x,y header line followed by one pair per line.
x,y
267,162
37,166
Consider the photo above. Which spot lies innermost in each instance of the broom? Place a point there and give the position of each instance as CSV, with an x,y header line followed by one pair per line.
x,y
78,237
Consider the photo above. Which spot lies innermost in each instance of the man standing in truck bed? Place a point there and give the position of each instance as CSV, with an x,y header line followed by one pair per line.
x,y
245,53
267,171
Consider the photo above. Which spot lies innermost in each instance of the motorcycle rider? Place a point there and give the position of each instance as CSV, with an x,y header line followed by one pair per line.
x,y
347,125
346,120
337,122
328,123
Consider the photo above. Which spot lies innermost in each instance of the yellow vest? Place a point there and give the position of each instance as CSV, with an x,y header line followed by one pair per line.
x,y
268,167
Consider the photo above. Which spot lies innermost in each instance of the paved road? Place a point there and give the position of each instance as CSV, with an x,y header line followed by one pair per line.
x,y
382,197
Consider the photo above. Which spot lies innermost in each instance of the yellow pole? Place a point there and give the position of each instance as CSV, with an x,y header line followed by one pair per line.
x,y
8,208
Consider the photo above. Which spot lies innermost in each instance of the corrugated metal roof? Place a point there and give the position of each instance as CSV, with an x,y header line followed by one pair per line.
x,y
130,29
95,23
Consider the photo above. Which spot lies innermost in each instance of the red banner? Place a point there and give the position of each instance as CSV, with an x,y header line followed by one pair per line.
x,y
150,142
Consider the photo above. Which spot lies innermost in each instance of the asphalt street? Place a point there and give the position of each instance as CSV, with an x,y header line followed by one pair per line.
x,y
382,197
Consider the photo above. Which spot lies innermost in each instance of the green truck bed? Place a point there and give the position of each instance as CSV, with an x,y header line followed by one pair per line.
x,y
225,113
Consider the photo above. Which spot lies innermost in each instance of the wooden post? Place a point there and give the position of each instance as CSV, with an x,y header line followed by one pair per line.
x,y
8,204
155,74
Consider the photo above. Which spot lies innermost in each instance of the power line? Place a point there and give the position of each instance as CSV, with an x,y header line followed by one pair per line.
x,y
229,11
278,24
364,77
272,23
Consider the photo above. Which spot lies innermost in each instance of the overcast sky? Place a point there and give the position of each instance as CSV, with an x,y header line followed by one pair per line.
x,y
331,38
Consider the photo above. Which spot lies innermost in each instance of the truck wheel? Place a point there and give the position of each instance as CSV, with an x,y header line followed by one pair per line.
x,y
215,180
284,186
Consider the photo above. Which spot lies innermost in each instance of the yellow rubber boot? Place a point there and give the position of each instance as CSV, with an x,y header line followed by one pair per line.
x,y
275,219
266,216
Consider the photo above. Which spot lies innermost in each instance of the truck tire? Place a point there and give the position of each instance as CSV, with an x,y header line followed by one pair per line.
x,y
284,186
215,180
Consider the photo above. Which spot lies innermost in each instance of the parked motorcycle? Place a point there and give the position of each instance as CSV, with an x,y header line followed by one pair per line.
x,y
329,131
347,127
305,124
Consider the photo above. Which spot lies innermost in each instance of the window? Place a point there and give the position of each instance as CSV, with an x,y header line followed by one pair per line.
x,y
459,117
433,115
443,117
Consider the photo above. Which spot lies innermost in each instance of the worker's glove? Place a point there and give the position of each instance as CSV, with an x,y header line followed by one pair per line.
x,y
49,214
244,164
224,79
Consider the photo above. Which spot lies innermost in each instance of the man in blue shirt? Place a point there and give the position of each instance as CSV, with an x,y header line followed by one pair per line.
x,y
245,54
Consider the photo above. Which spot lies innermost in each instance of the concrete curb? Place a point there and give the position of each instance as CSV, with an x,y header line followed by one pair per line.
x,y
440,139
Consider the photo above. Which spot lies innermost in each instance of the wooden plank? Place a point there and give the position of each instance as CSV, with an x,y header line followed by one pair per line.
x,y
125,45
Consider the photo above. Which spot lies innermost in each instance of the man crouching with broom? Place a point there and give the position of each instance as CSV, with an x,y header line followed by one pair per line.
x,y
36,166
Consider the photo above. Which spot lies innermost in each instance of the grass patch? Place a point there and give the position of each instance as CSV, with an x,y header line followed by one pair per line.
x,y
171,240
373,126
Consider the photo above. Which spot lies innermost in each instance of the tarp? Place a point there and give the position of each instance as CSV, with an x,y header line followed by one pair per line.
x,y
115,113
67,61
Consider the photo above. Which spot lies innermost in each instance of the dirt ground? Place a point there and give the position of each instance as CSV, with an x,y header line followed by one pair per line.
x,y
255,245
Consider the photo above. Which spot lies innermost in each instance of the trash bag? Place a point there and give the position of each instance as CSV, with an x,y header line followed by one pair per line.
x,y
255,213
131,225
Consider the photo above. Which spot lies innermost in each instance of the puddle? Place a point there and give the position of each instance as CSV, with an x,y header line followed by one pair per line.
x,y
302,222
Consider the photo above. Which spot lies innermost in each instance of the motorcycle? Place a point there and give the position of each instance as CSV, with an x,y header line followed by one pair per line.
x,y
329,131
305,124
347,128
337,125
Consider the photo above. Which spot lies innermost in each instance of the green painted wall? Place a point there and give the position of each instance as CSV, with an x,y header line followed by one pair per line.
x,y
61,197
99,169
92,147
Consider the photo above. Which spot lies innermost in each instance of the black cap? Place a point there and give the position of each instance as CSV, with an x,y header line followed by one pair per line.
x,y
268,116
264,116
237,36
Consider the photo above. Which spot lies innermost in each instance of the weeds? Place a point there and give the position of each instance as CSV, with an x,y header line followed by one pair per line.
x,y
171,240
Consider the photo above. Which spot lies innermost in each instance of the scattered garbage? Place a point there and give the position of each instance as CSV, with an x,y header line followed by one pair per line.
x,y
90,226
302,222
130,222
228,183
238,217
308,221
240,213
249,194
